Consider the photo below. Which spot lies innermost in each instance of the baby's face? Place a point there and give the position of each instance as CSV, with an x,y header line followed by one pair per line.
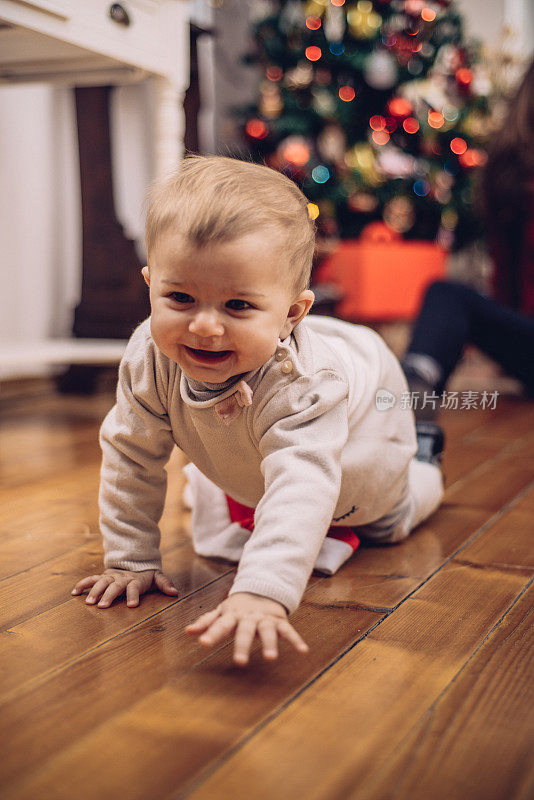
x,y
219,310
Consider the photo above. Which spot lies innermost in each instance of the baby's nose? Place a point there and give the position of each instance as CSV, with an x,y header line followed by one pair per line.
x,y
206,323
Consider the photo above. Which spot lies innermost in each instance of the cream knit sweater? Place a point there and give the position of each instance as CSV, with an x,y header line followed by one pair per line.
x,y
311,449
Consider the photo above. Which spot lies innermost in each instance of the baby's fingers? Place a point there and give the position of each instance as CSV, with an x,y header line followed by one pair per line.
x,y
289,633
246,631
85,583
132,594
269,639
98,589
112,591
218,630
203,622
164,584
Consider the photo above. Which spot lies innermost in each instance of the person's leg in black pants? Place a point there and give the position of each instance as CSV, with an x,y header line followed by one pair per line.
x,y
453,315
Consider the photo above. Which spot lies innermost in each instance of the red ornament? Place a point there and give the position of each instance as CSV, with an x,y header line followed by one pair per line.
x,y
399,107
347,93
458,146
464,77
296,152
313,23
377,122
473,158
435,119
380,137
313,53
256,129
410,125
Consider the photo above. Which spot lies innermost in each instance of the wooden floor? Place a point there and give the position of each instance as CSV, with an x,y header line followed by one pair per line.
x,y
418,684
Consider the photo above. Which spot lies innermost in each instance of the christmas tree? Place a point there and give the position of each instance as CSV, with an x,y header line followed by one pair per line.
x,y
377,109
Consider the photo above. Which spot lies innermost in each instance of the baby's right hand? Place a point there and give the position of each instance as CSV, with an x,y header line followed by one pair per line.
x,y
114,582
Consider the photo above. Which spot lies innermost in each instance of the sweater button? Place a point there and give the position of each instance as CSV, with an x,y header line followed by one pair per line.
x,y
280,354
287,366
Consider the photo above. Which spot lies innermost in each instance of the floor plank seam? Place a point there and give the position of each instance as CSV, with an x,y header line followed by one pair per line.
x,y
344,606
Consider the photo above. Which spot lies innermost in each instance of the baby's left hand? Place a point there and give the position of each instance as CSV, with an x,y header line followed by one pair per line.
x,y
249,615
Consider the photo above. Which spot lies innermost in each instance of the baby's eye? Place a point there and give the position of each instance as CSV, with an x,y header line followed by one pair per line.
x,y
238,305
181,297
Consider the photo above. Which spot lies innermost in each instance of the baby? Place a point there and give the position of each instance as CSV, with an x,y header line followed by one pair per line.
x,y
277,411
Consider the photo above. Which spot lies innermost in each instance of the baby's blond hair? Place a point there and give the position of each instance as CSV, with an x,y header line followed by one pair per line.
x,y
211,199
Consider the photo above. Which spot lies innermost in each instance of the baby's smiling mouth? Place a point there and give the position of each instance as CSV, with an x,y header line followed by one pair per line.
x,y
208,356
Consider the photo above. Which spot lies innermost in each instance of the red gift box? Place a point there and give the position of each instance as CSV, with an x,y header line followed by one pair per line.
x,y
382,277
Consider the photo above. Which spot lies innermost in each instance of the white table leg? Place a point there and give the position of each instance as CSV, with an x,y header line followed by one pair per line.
x,y
169,125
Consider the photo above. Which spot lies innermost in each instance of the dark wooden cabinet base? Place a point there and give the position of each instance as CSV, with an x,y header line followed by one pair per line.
x,y
114,296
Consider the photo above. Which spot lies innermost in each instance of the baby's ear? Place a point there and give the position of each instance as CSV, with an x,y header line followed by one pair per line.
x,y
146,275
297,311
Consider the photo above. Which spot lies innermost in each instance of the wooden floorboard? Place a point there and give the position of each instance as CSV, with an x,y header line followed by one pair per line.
x,y
417,684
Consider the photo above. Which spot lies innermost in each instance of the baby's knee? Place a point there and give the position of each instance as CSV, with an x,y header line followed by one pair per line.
x,y
384,533
393,537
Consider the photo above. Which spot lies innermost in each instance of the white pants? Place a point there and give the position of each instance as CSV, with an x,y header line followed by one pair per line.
x,y
422,496
215,535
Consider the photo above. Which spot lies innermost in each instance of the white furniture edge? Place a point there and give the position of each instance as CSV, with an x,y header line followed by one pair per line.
x,y
61,351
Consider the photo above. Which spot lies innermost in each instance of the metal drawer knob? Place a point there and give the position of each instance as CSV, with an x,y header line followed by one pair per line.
x,y
119,14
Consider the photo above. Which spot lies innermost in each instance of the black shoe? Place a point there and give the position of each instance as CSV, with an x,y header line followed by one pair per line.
x,y
419,387
430,442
